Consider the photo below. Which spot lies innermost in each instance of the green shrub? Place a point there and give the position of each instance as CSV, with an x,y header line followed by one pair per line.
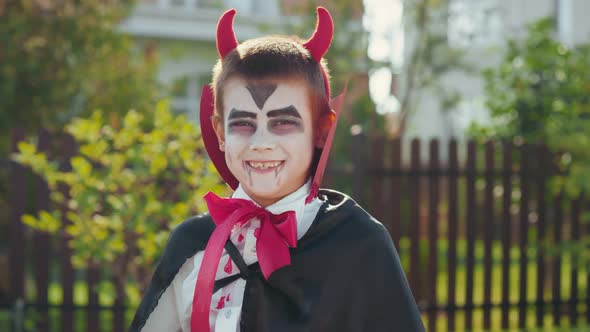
x,y
540,92
127,188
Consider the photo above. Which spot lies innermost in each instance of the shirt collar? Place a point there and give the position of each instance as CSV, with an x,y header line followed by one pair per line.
x,y
295,201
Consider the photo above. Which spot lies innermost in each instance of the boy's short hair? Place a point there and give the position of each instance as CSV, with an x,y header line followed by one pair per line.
x,y
272,57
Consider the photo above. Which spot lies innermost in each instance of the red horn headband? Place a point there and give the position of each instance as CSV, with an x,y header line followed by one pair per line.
x,y
317,45
320,41
226,37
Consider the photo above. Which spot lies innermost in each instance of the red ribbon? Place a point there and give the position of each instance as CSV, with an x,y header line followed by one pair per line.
x,y
277,234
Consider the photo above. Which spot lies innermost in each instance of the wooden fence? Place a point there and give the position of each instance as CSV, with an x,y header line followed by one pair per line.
x,y
492,201
37,260
474,225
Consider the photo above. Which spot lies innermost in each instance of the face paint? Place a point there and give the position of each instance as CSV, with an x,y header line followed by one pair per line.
x,y
268,136
260,92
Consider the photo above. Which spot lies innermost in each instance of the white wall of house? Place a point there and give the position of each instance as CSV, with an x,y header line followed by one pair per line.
x,y
481,26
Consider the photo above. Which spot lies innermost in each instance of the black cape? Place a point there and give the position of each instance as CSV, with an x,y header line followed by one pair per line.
x,y
345,275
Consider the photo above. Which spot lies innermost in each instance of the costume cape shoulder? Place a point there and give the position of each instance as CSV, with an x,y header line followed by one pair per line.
x,y
345,275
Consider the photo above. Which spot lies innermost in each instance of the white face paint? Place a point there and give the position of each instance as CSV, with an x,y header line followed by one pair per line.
x,y
268,136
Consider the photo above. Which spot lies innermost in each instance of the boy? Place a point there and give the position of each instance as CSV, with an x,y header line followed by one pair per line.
x,y
296,258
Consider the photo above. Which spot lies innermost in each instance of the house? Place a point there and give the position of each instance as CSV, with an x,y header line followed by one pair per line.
x,y
480,27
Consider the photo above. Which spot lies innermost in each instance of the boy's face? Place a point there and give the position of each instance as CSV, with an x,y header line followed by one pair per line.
x,y
267,135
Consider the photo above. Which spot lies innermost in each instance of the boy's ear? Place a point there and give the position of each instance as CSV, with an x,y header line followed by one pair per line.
x,y
219,131
324,124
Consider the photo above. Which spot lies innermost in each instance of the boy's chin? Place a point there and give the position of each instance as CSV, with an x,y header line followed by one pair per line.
x,y
266,191
259,192
266,195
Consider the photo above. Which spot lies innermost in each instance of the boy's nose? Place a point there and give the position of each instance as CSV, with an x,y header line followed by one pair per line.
x,y
262,140
262,146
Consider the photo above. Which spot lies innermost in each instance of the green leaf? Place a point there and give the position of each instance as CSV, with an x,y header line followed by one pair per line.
x,y
158,163
140,188
81,166
30,221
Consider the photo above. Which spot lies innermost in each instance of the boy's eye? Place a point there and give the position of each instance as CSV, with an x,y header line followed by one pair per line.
x,y
281,125
242,126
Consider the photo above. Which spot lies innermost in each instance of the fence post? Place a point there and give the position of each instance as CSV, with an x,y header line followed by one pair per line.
x,y
433,231
471,228
41,243
415,274
575,237
17,203
93,277
377,196
359,156
396,197
523,234
506,229
68,147
452,229
489,232
542,154
557,233
119,307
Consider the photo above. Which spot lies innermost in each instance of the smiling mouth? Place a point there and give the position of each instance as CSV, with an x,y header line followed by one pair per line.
x,y
263,168
264,165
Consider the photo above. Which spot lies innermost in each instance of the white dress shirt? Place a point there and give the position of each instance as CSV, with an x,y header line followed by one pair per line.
x,y
173,311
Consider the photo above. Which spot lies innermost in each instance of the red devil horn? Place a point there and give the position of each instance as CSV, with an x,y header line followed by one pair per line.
x,y
226,37
320,41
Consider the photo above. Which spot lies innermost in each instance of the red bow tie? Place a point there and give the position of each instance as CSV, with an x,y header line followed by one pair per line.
x,y
277,233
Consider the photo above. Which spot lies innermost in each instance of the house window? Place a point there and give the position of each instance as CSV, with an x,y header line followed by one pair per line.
x,y
474,23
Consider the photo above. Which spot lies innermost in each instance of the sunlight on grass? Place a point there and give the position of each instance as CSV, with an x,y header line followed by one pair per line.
x,y
496,290
106,297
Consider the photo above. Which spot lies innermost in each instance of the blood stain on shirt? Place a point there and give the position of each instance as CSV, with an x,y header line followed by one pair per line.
x,y
221,303
228,266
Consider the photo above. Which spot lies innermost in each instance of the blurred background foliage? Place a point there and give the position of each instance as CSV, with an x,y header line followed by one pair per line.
x,y
429,59
62,59
127,188
347,54
66,67
540,92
